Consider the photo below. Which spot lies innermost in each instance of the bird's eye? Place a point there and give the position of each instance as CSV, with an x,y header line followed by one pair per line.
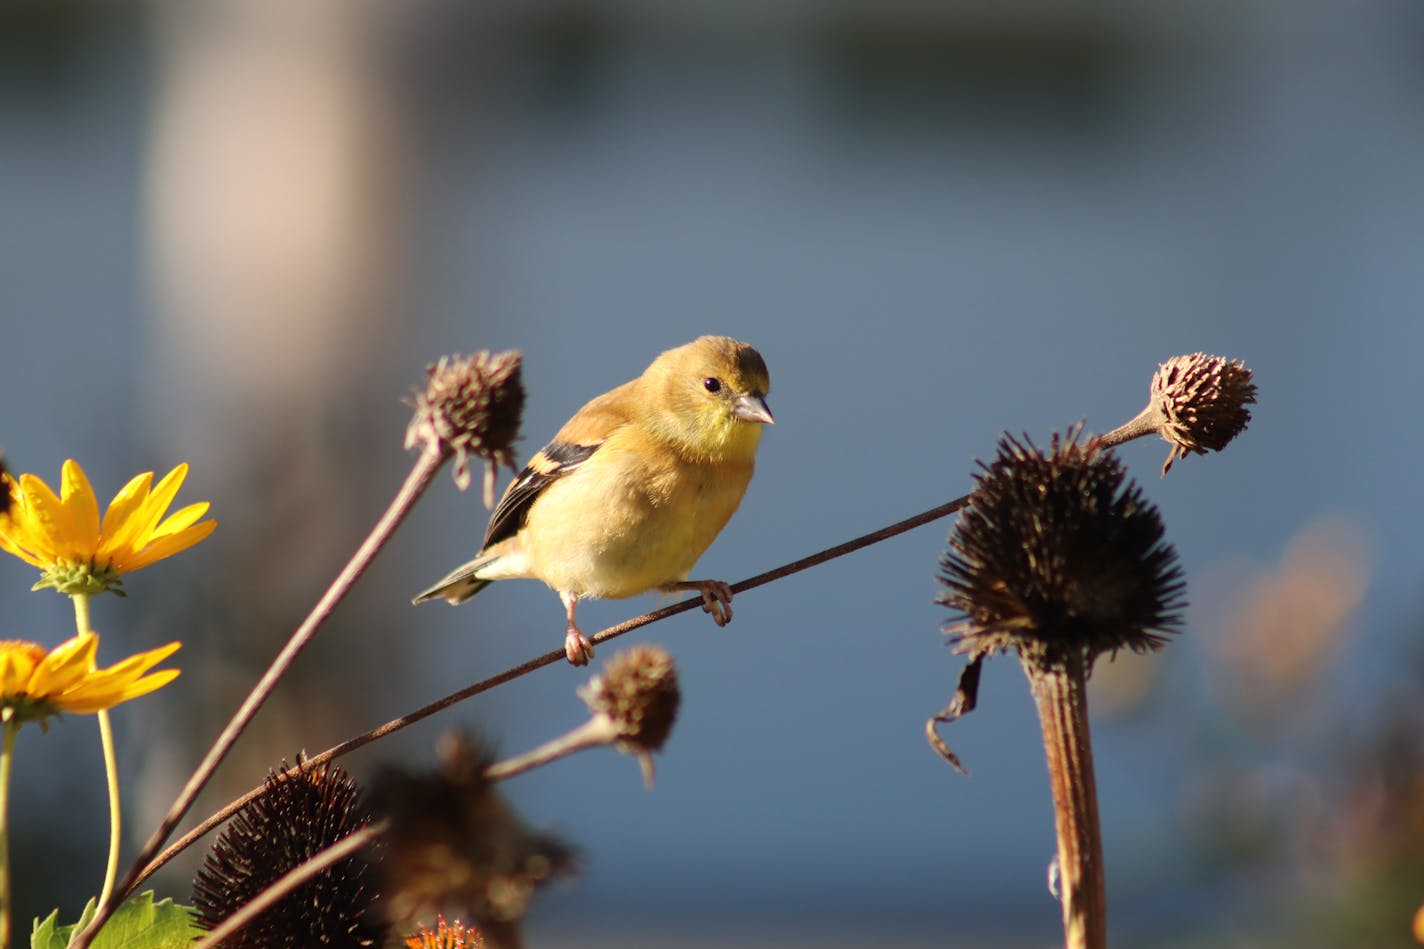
x,y
712,384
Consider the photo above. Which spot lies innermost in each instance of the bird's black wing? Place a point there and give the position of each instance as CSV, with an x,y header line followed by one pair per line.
x,y
552,462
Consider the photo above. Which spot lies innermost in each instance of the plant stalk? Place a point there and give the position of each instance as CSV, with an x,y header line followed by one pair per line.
x,y
8,731
592,733
1060,693
111,764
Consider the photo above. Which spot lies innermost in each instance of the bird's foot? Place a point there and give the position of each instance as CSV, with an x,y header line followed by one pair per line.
x,y
577,647
716,598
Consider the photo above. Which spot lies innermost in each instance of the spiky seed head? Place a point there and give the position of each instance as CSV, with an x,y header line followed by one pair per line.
x,y
455,847
298,815
638,693
472,404
1200,402
1057,552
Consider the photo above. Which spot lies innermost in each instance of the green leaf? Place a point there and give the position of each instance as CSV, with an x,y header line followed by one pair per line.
x,y
139,923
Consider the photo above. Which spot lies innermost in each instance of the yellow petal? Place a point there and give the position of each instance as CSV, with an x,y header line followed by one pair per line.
x,y
17,663
93,696
139,663
78,495
163,494
167,546
45,520
181,519
68,663
119,518
11,547
10,675
118,680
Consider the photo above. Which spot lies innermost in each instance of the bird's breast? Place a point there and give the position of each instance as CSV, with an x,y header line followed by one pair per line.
x,y
631,524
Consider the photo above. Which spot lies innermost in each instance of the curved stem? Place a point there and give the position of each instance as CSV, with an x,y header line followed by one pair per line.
x,y
7,754
419,478
111,773
111,766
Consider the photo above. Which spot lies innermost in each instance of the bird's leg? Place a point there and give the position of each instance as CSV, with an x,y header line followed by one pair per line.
x,y
716,597
577,646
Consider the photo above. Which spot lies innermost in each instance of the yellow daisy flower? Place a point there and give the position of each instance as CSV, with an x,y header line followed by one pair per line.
x,y
35,684
63,535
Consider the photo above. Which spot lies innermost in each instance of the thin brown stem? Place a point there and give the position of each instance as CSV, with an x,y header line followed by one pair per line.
x,y
341,850
421,474
1060,692
549,658
1147,422
598,730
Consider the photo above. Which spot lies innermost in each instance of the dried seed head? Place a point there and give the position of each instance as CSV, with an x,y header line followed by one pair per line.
x,y
446,936
472,405
297,816
1056,553
455,847
1200,403
638,693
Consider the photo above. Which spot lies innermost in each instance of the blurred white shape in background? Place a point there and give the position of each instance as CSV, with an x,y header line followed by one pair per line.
x,y
276,195
274,186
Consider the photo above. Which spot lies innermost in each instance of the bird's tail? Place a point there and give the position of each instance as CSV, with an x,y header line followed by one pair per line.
x,y
460,584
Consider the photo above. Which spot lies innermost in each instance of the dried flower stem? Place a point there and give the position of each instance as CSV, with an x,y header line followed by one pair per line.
x,y
421,474
598,730
1060,691
289,881
1146,423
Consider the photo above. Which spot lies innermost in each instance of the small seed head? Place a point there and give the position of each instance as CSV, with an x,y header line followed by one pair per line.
x,y
638,691
472,405
1200,402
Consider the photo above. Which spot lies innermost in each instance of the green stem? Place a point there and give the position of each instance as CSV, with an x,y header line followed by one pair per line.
x,y
111,772
7,754
81,612
111,766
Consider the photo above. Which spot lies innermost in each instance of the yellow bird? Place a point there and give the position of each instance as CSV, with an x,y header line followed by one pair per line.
x,y
632,489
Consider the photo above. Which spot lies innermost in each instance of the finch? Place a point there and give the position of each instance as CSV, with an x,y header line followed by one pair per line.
x,y
632,489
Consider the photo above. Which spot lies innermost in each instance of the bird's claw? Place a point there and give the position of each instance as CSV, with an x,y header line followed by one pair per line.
x,y
577,647
716,599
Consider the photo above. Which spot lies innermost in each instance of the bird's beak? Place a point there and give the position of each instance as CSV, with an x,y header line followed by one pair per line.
x,y
752,408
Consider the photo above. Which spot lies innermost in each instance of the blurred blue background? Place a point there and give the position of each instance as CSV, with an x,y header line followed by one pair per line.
x,y
234,233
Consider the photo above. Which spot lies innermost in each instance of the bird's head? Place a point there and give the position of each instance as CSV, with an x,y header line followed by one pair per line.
x,y
709,396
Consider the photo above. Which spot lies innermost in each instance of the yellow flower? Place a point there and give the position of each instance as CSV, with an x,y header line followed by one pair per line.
x,y
35,684
63,536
